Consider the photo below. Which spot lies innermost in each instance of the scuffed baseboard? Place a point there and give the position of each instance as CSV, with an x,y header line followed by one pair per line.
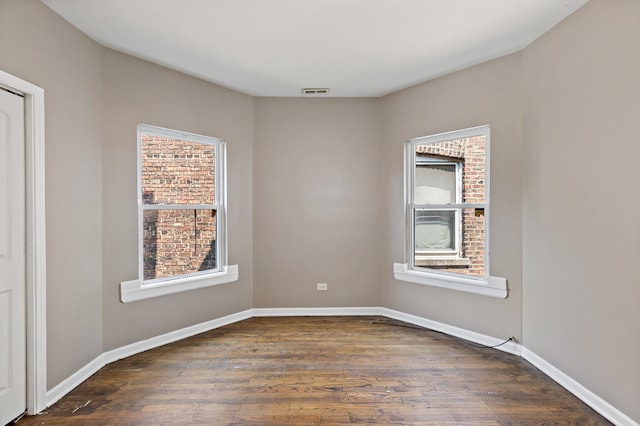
x,y
71,382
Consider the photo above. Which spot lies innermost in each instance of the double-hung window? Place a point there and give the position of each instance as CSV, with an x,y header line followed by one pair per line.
x,y
437,231
181,213
447,212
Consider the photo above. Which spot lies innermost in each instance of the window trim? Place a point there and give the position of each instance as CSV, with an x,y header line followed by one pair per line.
x,y
133,290
491,286
408,271
139,288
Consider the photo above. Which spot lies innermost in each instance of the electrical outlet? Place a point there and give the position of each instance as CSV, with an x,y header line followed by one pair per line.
x,y
321,286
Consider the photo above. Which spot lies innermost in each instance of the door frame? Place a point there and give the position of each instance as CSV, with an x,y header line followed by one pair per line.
x,y
35,240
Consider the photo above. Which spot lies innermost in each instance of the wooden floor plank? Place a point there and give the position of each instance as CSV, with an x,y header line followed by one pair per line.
x,y
319,371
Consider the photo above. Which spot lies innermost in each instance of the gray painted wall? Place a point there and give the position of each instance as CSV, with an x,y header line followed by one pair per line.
x,y
581,200
485,94
40,47
135,91
316,198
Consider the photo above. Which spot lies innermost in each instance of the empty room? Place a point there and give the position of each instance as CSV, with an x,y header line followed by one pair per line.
x,y
319,212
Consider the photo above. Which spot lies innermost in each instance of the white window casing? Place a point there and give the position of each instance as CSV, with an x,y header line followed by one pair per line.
x,y
408,271
223,273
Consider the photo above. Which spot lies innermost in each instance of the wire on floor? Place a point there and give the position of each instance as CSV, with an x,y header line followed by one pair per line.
x,y
417,327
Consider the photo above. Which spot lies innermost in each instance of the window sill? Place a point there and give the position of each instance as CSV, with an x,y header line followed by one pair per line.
x,y
492,286
442,261
133,290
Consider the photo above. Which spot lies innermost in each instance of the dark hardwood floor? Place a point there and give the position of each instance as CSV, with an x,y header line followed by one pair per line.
x,y
319,370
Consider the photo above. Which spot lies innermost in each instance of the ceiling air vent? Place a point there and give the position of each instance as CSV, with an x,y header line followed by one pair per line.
x,y
315,91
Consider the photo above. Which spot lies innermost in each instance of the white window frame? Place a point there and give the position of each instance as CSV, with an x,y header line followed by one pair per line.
x,y
139,288
408,271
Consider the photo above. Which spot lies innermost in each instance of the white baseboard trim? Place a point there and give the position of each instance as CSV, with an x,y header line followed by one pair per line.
x,y
315,312
472,336
607,410
71,382
594,401
174,336
482,339
108,357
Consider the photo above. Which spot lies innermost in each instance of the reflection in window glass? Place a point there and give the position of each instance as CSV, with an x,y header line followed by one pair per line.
x,y
435,183
435,231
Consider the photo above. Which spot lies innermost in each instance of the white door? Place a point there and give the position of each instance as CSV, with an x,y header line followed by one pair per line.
x,y
13,380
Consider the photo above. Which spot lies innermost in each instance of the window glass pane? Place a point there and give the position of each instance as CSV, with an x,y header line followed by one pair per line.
x,y
434,231
474,170
435,183
470,153
176,171
178,242
473,241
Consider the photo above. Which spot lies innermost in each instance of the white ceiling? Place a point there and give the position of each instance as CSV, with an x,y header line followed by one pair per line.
x,y
354,47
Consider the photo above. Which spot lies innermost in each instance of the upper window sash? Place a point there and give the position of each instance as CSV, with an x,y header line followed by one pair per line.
x,y
219,155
